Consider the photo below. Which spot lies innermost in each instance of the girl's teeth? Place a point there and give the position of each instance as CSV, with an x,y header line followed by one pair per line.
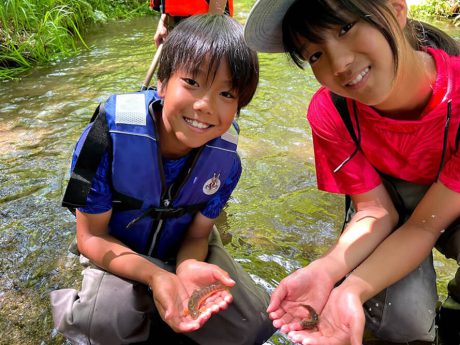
x,y
195,123
359,77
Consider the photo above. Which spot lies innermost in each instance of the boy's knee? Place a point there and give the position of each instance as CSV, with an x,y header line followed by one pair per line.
x,y
108,310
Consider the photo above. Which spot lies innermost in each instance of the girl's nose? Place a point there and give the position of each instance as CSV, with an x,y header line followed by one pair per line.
x,y
340,60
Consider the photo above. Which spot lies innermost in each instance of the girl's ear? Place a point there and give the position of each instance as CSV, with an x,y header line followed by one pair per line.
x,y
400,11
160,89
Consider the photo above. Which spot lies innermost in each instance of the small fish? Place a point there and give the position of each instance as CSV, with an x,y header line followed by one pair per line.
x,y
311,322
199,296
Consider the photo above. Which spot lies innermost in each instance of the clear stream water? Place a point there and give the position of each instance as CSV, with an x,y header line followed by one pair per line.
x,y
275,222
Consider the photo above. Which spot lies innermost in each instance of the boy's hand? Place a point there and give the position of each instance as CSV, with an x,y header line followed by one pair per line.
x,y
170,298
196,275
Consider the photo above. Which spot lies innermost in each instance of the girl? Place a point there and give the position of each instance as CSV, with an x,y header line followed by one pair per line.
x,y
385,127
149,177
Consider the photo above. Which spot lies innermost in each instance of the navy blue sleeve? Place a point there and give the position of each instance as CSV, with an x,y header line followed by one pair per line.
x,y
218,201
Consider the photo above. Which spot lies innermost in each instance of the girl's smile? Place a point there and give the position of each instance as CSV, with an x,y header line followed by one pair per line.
x,y
358,80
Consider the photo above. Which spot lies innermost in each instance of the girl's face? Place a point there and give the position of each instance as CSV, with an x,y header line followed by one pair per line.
x,y
354,61
197,108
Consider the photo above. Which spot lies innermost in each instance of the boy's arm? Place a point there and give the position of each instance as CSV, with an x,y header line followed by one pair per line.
x,y
107,252
110,254
195,243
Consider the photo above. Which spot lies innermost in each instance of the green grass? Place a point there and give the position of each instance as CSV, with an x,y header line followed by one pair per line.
x,y
437,9
34,32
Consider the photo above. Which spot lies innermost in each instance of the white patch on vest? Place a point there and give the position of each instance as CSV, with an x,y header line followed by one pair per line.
x,y
212,185
130,109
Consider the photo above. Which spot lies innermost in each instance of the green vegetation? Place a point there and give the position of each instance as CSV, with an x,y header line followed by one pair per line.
x,y
437,9
39,31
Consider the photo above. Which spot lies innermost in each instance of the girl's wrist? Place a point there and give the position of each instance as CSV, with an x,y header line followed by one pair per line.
x,y
357,286
331,267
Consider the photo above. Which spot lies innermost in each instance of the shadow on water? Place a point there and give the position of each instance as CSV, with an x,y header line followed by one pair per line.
x,y
275,222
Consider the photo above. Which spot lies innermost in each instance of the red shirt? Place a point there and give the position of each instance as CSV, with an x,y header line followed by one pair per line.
x,y
407,149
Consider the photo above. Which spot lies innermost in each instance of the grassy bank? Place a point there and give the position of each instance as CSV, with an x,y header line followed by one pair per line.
x,y
34,32
428,10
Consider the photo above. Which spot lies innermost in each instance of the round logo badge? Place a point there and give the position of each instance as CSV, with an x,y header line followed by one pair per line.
x,y
212,185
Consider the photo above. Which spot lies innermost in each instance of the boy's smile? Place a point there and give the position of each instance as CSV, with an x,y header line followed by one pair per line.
x,y
196,124
197,108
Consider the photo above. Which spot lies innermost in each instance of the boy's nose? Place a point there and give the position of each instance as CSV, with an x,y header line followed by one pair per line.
x,y
203,104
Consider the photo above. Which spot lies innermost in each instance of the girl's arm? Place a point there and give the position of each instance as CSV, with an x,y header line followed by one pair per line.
x,y
407,247
312,285
375,218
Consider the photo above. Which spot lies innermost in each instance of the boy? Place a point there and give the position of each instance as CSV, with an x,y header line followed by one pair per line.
x,y
166,170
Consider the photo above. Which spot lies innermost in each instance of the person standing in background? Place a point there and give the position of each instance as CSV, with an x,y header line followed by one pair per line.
x,y
173,11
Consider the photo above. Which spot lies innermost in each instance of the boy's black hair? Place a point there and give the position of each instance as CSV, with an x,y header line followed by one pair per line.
x,y
211,38
309,18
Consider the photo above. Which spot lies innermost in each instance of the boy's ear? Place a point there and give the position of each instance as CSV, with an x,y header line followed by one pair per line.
x,y
160,89
400,11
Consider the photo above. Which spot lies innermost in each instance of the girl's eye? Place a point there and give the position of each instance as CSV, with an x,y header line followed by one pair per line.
x,y
344,29
190,81
313,58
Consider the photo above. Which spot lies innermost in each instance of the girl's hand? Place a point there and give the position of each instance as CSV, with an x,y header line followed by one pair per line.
x,y
196,275
340,323
310,285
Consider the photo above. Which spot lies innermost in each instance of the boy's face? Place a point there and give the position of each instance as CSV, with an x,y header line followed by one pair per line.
x,y
196,109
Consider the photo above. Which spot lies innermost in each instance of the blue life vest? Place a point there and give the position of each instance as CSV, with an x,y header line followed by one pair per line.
x,y
146,216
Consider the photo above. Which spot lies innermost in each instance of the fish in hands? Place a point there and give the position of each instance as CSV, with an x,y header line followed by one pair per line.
x,y
312,321
199,296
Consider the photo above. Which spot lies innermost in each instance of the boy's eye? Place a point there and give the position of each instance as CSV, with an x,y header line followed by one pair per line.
x,y
228,94
313,58
344,29
190,81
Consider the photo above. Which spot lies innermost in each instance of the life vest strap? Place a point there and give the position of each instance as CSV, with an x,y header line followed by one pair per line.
x,y
166,212
96,143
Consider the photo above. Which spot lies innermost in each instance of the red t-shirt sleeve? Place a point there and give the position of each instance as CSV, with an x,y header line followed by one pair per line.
x,y
450,174
333,145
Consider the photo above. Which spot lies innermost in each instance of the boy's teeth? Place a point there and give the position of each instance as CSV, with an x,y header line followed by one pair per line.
x,y
195,123
359,77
